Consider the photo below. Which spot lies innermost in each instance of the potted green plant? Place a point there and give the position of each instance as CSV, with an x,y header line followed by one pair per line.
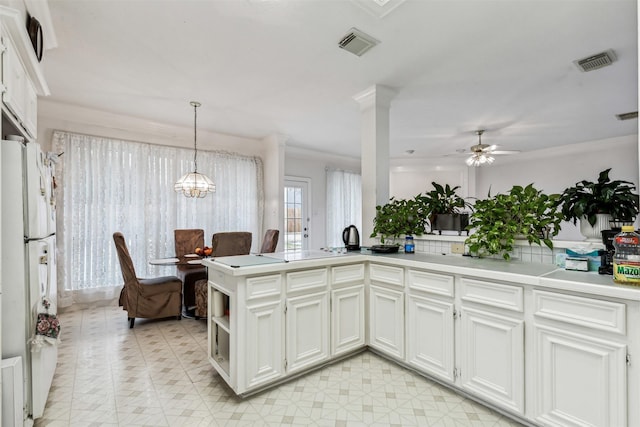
x,y
397,218
524,211
445,208
595,204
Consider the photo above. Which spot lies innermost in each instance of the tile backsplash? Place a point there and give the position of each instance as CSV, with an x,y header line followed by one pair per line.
x,y
441,245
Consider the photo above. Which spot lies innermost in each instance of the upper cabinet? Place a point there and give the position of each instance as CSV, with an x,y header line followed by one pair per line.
x,y
22,77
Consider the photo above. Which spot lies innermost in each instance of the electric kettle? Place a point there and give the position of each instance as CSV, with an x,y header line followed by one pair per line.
x,y
351,238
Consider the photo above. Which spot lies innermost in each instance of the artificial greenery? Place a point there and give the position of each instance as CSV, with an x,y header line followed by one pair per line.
x,y
523,211
399,217
587,198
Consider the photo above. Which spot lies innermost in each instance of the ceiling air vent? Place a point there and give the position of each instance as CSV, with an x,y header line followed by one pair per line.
x,y
357,42
596,61
627,116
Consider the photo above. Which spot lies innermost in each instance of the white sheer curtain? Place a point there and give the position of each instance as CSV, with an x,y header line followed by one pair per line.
x,y
107,185
344,204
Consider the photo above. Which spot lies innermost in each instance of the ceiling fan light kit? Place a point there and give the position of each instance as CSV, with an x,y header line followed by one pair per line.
x,y
481,153
480,159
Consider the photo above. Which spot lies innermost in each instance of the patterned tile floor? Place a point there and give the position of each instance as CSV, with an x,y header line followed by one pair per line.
x,y
157,374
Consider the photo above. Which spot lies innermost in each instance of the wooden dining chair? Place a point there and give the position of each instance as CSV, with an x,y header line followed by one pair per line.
x,y
146,298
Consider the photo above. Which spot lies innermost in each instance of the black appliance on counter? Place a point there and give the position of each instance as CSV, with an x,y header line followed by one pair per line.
x,y
351,238
606,254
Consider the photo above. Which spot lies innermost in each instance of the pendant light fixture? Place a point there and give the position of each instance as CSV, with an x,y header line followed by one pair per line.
x,y
481,153
195,184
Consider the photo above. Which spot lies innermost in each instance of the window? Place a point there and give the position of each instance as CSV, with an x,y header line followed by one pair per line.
x,y
108,185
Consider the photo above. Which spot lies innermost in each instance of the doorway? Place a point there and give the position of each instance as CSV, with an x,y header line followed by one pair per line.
x,y
296,214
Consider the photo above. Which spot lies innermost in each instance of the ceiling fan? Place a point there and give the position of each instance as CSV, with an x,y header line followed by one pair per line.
x,y
482,154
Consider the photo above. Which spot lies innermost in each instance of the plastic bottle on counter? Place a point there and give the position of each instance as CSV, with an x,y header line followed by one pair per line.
x,y
409,246
626,259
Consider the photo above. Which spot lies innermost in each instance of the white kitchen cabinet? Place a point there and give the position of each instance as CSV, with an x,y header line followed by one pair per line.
x,y
307,329
580,380
263,343
430,336
386,320
492,357
523,343
14,79
430,323
491,344
22,77
580,373
347,319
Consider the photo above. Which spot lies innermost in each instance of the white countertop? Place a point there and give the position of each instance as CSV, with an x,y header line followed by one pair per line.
x,y
541,275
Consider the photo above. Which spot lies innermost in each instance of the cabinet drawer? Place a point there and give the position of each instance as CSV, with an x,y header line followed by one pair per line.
x,y
508,297
216,276
347,274
307,279
438,284
386,274
264,286
591,313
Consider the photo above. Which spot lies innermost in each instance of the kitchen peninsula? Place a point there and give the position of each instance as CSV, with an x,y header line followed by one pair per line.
x,y
543,345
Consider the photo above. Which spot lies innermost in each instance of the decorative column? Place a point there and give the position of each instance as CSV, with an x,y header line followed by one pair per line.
x,y
374,135
274,186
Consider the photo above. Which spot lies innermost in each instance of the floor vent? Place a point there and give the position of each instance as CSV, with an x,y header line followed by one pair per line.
x,y
357,42
596,61
627,116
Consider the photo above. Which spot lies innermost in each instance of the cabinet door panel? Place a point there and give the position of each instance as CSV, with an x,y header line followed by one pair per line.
x,y
430,336
264,343
580,380
307,330
347,319
386,320
492,357
13,78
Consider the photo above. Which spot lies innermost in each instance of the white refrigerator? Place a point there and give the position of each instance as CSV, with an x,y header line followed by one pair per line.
x,y
28,265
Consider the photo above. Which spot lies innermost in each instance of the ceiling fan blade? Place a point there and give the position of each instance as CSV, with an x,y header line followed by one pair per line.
x,y
505,152
490,148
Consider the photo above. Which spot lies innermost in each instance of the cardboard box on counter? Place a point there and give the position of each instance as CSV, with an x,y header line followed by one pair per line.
x,y
576,263
592,257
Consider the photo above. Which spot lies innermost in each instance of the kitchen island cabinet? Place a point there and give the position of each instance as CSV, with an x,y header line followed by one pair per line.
x,y
545,346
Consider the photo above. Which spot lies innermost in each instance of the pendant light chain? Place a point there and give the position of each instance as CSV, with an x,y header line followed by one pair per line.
x,y
195,135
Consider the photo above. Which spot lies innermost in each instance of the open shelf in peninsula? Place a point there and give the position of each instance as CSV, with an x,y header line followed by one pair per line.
x,y
219,331
222,322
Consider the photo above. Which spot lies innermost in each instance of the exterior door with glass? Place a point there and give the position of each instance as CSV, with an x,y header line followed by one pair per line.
x,y
296,214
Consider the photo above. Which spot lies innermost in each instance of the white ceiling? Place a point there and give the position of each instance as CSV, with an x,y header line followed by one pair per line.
x,y
261,67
